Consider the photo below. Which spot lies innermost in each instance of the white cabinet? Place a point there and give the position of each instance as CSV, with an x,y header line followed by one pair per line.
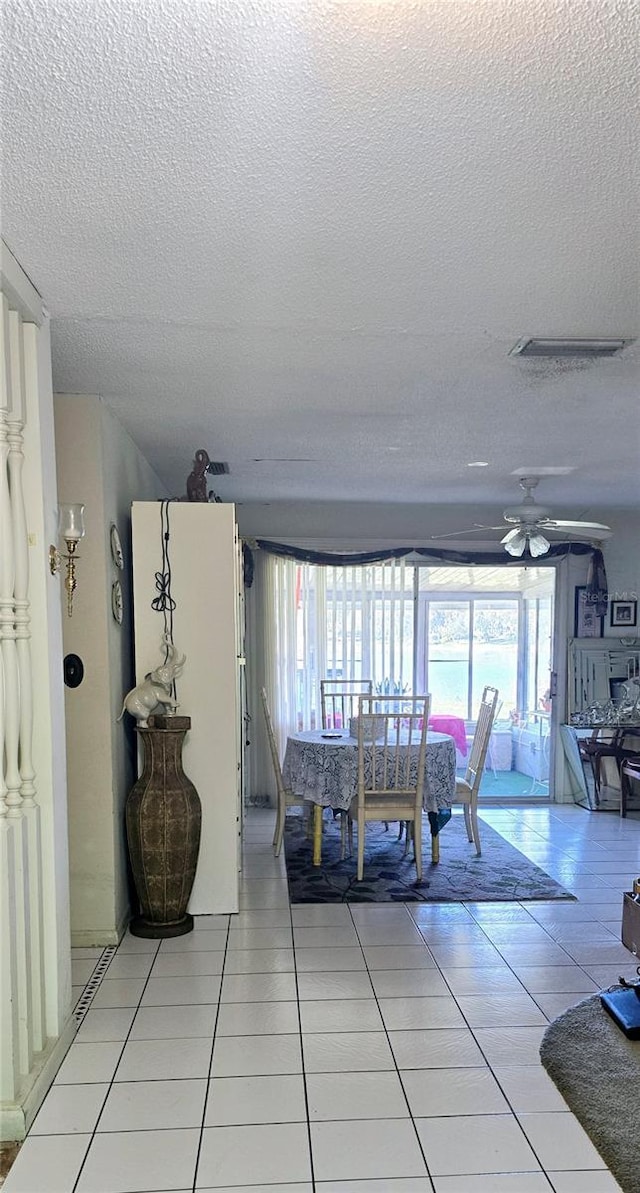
x,y
205,585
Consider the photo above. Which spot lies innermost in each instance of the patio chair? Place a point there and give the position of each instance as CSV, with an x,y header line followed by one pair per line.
x,y
467,788
338,699
391,765
285,798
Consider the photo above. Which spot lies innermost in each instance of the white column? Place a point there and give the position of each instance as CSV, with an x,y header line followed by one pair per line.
x,y
24,372
9,1068
32,974
13,799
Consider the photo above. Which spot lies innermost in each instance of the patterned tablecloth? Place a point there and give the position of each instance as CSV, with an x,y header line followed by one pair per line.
x,y
325,770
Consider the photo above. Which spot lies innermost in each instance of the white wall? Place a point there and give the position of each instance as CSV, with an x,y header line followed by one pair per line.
x,y
98,463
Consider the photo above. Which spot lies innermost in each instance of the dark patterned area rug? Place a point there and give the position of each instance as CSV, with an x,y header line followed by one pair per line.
x,y
501,873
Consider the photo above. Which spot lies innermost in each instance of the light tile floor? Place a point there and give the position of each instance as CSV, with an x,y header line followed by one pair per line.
x,y
348,1049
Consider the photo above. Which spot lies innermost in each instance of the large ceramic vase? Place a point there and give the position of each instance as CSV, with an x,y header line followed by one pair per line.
x,y
164,817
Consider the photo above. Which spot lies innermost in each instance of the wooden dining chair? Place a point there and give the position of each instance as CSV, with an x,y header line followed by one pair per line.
x,y
619,744
285,798
467,788
391,766
593,750
338,700
629,773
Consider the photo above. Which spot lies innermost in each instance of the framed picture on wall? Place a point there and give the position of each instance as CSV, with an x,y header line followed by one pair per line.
x,y
586,623
624,613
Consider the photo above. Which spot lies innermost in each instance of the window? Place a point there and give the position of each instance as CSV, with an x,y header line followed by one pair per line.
x,y
397,624
468,642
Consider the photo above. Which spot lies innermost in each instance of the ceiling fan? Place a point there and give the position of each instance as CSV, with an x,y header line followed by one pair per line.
x,y
530,521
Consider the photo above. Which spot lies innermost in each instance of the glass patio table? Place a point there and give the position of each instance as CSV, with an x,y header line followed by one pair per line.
x,y
322,767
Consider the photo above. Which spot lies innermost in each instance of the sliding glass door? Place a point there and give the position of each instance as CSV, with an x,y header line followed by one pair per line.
x,y
464,643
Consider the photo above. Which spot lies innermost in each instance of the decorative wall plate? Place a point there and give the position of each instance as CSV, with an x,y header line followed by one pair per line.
x,y
116,546
116,601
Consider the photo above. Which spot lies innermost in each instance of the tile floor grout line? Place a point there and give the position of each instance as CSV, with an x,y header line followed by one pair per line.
x,y
512,1112
302,1058
490,1068
213,1041
397,1069
111,950
560,836
112,1081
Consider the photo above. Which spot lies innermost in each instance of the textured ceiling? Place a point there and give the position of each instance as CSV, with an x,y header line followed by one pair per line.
x,y
314,229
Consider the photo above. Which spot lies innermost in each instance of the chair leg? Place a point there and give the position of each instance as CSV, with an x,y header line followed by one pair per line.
x,y
317,834
343,835
361,827
417,842
435,849
350,834
467,822
277,845
595,770
475,828
407,837
400,829
624,792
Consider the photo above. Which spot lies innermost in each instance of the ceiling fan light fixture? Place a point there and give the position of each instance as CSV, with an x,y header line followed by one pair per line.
x,y
517,540
515,543
538,545
535,346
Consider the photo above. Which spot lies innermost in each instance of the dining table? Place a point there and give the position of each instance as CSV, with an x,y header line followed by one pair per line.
x,y
322,768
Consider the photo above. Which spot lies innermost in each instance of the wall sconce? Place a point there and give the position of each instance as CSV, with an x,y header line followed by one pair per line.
x,y
71,529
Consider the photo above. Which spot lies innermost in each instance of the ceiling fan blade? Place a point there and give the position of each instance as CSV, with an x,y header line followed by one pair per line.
x,y
467,530
559,524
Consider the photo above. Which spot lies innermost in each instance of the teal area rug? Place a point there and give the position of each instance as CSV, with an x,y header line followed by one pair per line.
x,y
500,874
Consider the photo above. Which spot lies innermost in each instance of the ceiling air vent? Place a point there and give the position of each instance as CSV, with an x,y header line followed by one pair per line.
x,y
218,468
534,346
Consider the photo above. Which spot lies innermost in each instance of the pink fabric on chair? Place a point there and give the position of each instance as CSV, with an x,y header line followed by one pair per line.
x,y
454,726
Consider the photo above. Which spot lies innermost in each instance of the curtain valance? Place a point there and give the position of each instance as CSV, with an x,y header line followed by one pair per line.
x,y
596,580
436,554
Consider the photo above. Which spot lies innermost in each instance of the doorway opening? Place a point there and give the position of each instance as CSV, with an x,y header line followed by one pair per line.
x,y
412,627
491,625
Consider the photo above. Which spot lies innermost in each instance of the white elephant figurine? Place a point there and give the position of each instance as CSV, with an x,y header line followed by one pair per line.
x,y
155,690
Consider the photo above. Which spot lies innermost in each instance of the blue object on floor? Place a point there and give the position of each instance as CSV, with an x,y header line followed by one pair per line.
x,y
624,1008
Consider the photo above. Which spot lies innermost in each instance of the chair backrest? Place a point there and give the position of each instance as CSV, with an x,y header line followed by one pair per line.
x,y
628,739
338,700
391,749
273,748
484,725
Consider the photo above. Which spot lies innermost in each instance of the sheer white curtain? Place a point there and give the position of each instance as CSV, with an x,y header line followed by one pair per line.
x,y
281,645
369,613
309,623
